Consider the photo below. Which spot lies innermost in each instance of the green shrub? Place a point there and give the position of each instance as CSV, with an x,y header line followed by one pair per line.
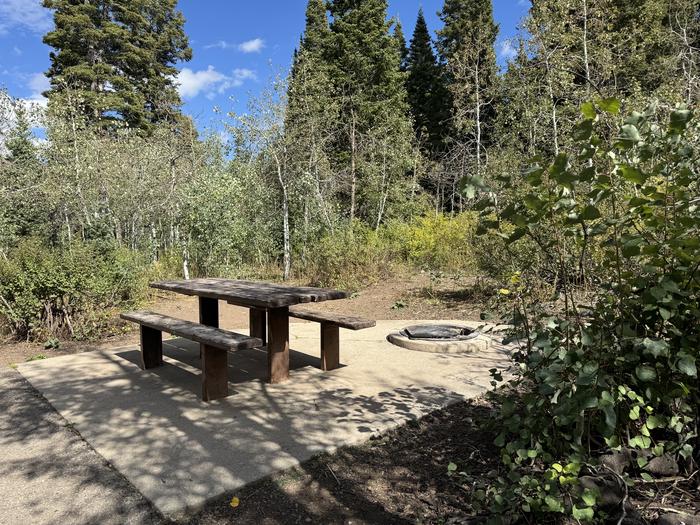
x,y
356,257
59,292
620,371
436,242
350,258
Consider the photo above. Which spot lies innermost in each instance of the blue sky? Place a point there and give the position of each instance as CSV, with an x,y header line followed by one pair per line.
x,y
238,45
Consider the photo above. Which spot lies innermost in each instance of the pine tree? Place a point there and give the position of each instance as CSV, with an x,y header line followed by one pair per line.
x,y
374,114
19,144
115,58
427,94
466,44
311,115
22,176
401,42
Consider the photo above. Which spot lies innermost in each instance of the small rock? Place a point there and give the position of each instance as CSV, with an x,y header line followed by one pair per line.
x,y
663,466
678,519
617,461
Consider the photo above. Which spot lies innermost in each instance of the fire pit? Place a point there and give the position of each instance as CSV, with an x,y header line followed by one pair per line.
x,y
440,338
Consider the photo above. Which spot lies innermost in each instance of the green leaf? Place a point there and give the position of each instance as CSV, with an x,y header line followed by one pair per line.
x,y
629,135
655,347
634,413
680,119
451,467
590,213
553,504
560,164
468,186
610,105
686,364
585,514
665,314
656,422
631,174
610,417
642,442
588,110
583,130
589,497
645,373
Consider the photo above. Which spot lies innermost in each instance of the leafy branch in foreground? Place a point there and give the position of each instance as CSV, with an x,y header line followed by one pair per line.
x,y
619,374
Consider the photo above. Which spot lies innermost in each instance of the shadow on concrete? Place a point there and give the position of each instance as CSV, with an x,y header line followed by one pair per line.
x,y
182,364
180,452
49,475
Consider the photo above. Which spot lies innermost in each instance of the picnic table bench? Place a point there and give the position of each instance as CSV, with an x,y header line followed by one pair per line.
x,y
270,306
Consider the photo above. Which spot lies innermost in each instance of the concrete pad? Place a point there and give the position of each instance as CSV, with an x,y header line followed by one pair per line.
x,y
180,452
49,475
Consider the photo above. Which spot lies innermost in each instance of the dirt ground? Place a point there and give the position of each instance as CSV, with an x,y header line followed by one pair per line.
x,y
403,297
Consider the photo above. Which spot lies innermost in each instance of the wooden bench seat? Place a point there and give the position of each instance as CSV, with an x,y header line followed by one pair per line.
x,y
214,344
330,333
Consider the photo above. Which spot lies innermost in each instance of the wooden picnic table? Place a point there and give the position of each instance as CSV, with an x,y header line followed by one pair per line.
x,y
268,304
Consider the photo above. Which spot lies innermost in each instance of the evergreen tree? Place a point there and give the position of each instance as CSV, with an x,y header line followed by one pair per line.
x,y
19,144
428,96
401,42
374,111
311,117
22,174
115,58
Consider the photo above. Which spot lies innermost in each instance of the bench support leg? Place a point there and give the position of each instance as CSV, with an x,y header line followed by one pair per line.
x,y
258,324
330,346
278,344
151,347
214,373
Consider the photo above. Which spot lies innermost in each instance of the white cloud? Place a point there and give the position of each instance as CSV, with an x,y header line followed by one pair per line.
x,y
24,14
37,84
17,51
252,46
191,83
210,81
249,46
506,49
241,75
221,44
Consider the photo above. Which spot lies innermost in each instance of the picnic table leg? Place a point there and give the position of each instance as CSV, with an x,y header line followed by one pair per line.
x,y
330,346
214,373
209,311
214,360
278,344
258,328
151,347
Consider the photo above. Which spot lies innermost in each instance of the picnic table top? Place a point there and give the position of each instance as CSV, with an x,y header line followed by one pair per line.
x,y
255,294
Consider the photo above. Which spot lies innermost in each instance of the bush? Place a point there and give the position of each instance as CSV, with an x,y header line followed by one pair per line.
x,y
436,242
57,292
355,257
350,258
620,372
